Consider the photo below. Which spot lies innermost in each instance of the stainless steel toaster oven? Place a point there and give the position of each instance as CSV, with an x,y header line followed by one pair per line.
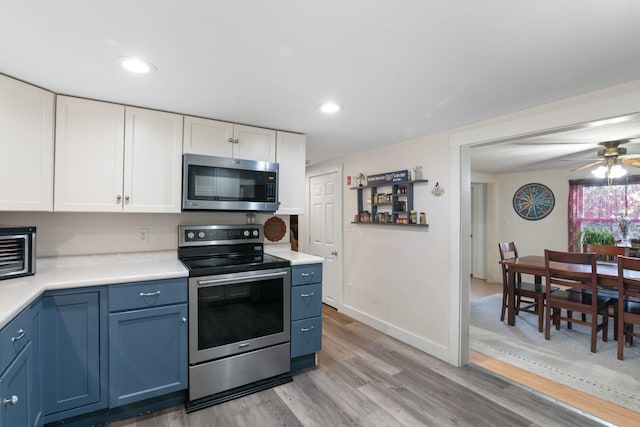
x,y
17,251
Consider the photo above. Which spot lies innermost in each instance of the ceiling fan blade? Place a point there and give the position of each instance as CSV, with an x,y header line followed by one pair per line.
x,y
579,160
629,156
586,166
631,162
552,143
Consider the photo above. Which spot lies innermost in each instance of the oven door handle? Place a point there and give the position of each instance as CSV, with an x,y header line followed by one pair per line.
x,y
215,282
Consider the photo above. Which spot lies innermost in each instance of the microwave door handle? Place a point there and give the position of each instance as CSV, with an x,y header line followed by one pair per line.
x,y
217,282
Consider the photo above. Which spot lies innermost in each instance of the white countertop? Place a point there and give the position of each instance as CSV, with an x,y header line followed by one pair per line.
x,y
81,271
295,258
93,270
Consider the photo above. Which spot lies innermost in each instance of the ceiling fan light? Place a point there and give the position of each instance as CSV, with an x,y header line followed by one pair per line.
x,y
617,171
600,172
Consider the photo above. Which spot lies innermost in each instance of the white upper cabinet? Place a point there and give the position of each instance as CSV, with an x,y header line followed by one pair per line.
x,y
223,139
153,161
101,165
26,144
207,137
89,155
291,156
254,143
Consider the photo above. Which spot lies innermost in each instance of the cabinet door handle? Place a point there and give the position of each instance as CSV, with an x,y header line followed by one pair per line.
x,y
184,320
230,139
150,294
11,401
126,199
21,333
118,199
307,274
306,295
309,329
235,141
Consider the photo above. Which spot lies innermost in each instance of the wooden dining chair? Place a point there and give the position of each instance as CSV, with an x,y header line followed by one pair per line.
x,y
609,254
575,272
606,252
529,296
628,302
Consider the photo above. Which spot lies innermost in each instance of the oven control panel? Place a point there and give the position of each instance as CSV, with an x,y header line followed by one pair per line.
x,y
196,235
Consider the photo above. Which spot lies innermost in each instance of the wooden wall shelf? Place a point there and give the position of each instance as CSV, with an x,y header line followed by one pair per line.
x,y
397,209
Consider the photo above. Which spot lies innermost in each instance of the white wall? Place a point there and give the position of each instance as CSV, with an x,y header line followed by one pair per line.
x,y
396,276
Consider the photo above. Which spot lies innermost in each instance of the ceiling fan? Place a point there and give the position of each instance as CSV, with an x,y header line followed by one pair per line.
x,y
611,158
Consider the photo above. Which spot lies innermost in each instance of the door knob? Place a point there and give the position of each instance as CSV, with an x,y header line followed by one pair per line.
x,y
11,401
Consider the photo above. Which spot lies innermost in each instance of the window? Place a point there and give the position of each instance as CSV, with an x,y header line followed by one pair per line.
x,y
594,203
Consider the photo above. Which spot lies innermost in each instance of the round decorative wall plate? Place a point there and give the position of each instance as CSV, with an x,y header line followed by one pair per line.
x,y
533,201
274,229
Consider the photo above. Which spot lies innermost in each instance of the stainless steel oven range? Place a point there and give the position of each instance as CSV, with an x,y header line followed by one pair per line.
x,y
239,313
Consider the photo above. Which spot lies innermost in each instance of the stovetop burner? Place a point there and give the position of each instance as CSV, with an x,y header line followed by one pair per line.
x,y
211,266
218,249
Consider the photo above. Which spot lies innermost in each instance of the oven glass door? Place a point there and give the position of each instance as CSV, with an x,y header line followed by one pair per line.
x,y
236,313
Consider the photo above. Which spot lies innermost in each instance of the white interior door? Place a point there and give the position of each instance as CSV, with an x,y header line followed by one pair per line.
x,y
325,232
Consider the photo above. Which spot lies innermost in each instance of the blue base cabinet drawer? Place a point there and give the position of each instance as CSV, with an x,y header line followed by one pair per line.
x,y
153,293
306,274
14,337
306,336
306,301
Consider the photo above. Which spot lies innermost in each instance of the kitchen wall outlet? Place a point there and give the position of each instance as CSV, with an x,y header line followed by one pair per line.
x,y
144,234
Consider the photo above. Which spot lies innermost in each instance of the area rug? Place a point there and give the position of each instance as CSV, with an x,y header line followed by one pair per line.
x,y
565,358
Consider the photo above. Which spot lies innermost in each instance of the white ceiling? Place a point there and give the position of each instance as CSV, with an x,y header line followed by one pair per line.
x,y
568,149
400,69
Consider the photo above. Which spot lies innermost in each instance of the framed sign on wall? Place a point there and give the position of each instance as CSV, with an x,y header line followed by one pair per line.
x,y
533,201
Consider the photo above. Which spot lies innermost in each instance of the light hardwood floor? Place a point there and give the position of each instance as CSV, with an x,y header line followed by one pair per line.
x,y
366,378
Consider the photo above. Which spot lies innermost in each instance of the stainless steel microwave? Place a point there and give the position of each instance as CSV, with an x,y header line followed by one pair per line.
x,y
224,184
17,251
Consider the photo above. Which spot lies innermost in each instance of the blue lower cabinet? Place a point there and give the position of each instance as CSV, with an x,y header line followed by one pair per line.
x,y
147,353
75,352
306,315
306,301
306,336
306,274
15,389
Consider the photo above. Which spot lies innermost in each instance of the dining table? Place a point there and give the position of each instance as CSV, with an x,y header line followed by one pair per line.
x,y
607,276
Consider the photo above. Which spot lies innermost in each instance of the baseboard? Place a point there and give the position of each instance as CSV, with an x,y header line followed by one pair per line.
x,y
421,343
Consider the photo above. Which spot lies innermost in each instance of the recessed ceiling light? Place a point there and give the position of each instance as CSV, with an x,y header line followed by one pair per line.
x,y
136,65
330,107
